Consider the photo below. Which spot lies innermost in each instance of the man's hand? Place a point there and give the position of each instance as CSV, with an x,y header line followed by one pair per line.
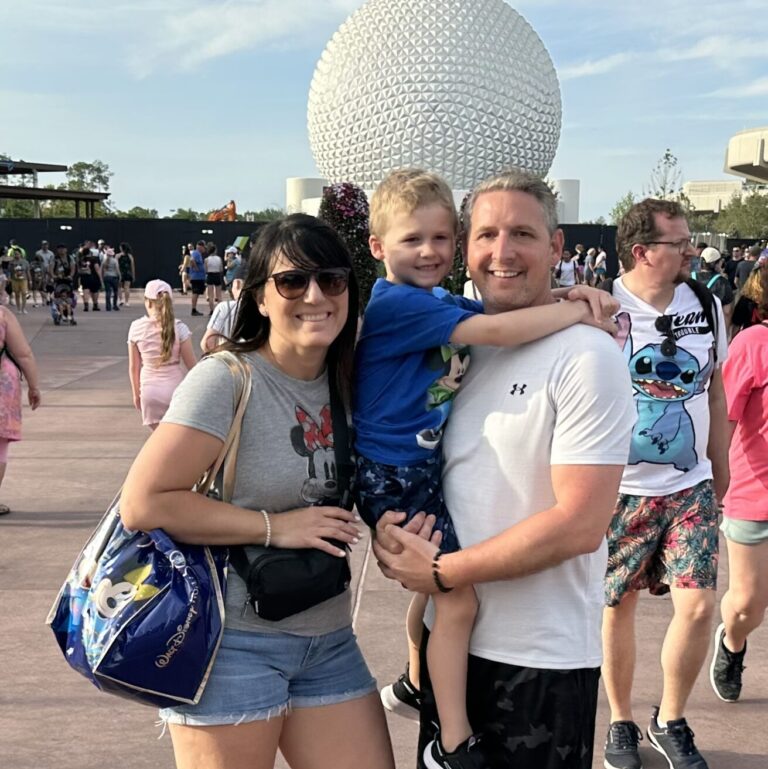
x,y
412,566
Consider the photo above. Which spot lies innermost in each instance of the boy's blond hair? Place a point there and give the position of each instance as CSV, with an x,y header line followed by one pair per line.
x,y
405,190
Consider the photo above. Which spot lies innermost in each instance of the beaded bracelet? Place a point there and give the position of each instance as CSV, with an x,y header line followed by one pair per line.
x,y
436,573
269,528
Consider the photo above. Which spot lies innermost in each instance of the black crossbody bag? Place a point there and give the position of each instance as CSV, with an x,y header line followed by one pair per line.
x,y
284,581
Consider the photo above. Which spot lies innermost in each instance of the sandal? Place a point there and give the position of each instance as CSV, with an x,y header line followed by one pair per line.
x,y
4,509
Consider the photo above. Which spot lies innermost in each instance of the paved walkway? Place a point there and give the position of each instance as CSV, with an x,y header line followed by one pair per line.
x,y
76,450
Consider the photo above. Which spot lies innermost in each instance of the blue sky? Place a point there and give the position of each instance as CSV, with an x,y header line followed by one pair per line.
x,y
194,102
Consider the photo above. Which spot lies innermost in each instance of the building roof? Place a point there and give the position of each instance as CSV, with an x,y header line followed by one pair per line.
x,y
22,167
747,155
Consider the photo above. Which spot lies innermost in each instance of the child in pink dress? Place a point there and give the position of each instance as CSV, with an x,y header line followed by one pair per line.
x,y
157,346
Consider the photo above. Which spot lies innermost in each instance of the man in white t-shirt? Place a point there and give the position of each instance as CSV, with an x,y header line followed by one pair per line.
x,y
664,535
221,323
533,459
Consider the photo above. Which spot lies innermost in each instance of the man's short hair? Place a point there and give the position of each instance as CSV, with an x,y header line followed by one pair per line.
x,y
200,243
515,180
701,244
755,251
405,190
638,225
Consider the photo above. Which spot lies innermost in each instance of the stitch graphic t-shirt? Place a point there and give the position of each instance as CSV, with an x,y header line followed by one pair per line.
x,y
670,375
407,372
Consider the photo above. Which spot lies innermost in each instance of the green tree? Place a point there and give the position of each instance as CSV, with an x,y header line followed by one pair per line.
x,y
621,207
187,213
90,177
745,216
138,212
664,182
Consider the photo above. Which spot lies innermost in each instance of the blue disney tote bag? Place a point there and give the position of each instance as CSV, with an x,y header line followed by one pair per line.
x,y
140,615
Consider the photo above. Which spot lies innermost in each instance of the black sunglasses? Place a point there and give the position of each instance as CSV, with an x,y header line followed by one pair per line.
x,y
663,325
293,284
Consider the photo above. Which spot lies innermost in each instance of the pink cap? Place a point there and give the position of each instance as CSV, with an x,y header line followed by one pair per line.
x,y
154,288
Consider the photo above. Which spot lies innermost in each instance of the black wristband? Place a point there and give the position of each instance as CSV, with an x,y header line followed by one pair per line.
x,y
436,574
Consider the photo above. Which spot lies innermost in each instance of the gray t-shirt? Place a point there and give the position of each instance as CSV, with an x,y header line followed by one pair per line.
x,y
285,461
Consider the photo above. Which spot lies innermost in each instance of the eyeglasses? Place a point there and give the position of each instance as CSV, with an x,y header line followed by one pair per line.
x,y
663,325
681,245
293,284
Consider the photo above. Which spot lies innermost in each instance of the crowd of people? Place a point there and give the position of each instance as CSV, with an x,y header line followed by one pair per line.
x,y
585,455
55,278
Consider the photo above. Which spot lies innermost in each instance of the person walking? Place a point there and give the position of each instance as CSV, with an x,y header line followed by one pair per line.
x,y
20,279
127,265
663,535
16,359
299,684
745,508
197,274
214,272
158,345
112,277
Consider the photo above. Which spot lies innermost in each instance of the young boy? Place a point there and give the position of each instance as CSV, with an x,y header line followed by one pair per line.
x,y
411,357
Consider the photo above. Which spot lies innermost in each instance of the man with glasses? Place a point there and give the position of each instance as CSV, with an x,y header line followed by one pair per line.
x,y
664,535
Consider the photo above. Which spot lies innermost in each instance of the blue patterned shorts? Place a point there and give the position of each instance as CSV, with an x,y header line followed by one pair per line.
x,y
409,489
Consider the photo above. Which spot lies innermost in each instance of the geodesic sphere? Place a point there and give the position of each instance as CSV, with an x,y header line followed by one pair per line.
x,y
464,88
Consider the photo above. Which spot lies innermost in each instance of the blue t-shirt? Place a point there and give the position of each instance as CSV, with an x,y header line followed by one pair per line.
x,y
197,268
406,371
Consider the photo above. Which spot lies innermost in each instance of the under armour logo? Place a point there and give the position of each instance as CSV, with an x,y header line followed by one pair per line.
x,y
518,389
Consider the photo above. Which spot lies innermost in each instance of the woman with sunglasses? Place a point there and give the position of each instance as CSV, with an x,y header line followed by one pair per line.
x,y
299,684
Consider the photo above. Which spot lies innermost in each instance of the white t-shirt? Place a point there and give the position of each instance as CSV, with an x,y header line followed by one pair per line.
x,y
214,263
669,442
223,318
46,256
567,273
563,400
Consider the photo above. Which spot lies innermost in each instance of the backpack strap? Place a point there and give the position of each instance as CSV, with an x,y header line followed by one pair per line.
x,y
711,282
707,302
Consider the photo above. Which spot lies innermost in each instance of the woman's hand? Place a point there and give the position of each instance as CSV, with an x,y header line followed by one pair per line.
x,y
33,397
601,303
311,526
137,402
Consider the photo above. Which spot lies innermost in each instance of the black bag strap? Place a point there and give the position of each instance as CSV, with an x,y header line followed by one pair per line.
x,y
345,468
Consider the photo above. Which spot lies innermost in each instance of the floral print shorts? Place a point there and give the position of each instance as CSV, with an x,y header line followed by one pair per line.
x,y
663,542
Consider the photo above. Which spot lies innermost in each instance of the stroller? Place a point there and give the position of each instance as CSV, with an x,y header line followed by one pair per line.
x,y
63,303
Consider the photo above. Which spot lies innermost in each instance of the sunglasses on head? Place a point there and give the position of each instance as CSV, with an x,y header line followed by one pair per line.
x,y
293,284
663,325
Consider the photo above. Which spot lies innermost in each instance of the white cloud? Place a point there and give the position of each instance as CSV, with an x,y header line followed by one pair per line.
x,y
594,67
187,38
757,87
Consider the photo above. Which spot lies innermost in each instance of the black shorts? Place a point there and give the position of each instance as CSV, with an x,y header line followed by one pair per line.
x,y
530,718
213,278
90,283
198,287
127,277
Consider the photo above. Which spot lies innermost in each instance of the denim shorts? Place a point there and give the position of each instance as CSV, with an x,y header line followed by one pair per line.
x,y
744,532
258,676
409,489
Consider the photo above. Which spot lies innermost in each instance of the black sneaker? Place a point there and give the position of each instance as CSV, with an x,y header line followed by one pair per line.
x,y
402,698
621,746
466,756
726,668
675,742
195,312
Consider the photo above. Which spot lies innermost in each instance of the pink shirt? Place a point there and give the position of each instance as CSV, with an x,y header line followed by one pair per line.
x,y
145,334
745,376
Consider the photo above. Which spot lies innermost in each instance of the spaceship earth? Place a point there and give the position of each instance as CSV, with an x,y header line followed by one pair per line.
x,y
464,88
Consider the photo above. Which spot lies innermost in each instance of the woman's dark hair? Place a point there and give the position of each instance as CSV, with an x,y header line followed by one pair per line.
x,y
125,247
309,244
